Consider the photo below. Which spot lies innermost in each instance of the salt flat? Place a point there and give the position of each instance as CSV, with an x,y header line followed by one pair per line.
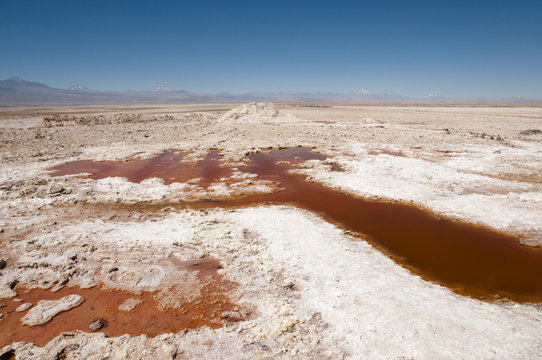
x,y
305,288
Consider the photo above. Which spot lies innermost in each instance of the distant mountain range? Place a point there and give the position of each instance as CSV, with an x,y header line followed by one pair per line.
x,y
16,91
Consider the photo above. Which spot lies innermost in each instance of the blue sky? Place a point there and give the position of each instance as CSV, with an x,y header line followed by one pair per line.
x,y
451,48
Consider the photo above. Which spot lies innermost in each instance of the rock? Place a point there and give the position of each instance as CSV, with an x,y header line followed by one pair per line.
x,y
18,300
9,354
56,190
531,132
232,316
97,324
45,310
60,285
29,190
288,284
130,304
23,307
7,292
3,264
13,284
530,242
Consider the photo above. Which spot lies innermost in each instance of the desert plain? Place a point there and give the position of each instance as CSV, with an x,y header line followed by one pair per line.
x,y
162,268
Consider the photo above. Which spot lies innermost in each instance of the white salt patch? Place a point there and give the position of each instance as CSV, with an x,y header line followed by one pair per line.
x,y
130,304
7,292
23,307
136,277
24,123
45,310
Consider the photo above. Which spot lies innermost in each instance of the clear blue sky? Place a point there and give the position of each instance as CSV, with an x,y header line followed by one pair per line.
x,y
452,48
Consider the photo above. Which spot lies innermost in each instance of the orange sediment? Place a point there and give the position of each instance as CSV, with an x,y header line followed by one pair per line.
x,y
208,308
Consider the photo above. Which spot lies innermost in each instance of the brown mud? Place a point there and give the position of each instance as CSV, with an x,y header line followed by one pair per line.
x,y
470,260
207,309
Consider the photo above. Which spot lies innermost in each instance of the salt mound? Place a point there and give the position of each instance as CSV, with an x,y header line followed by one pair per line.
x,y
255,112
255,109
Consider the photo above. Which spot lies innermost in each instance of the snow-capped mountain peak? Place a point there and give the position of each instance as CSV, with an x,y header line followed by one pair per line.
x,y
77,88
162,88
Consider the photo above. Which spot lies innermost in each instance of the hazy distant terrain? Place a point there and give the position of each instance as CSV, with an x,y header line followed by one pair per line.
x,y
16,91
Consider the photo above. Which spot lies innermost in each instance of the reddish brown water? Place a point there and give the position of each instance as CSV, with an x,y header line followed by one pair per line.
x,y
147,318
168,166
470,260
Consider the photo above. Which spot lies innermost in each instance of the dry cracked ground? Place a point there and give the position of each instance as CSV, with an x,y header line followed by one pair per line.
x,y
114,269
